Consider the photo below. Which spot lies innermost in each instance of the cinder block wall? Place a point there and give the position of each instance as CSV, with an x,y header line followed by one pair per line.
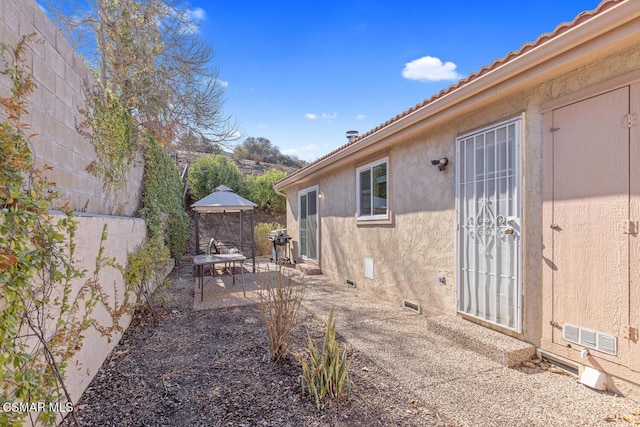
x,y
60,75
54,111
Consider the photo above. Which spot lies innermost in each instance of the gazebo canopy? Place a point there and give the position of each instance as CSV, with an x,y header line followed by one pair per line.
x,y
223,199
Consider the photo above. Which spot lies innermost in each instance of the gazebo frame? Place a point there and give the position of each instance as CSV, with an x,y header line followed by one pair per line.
x,y
224,200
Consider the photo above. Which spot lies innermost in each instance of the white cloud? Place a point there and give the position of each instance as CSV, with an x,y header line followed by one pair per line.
x,y
361,117
192,18
311,116
329,116
429,68
295,151
197,14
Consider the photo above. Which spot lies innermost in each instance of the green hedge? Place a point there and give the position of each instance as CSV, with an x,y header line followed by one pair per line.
x,y
207,173
161,203
260,191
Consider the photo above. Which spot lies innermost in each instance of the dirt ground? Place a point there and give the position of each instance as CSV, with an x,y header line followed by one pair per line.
x,y
213,368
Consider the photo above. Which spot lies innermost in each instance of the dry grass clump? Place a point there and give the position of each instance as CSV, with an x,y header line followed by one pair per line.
x,y
280,303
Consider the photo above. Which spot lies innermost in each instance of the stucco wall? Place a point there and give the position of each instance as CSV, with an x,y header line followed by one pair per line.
x,y
420,244
124,236
60,75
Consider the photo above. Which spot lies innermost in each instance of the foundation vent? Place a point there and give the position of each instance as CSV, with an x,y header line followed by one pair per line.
x,y
600,341
412,306
351,283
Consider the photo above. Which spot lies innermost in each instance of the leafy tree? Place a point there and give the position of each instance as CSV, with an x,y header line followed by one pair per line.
x,y
148,54
208,172
200,144
260,191
262,150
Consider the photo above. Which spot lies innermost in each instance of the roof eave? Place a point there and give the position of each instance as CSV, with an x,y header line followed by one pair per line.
x,y
445,106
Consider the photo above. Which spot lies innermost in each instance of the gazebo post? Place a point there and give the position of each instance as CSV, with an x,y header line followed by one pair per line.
x,y
197,234
253,244
241,233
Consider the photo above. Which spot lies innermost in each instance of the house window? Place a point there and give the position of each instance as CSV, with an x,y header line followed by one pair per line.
x,y
372,181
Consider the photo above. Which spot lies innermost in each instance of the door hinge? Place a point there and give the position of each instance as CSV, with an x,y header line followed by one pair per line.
x,y
554,129
631,333
555,324
631,227
631,120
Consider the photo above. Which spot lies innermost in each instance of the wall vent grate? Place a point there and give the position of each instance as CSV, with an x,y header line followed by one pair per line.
x,y
589,338
412,306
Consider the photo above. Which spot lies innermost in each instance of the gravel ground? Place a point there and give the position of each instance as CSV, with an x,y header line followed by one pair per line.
x,y
463,387
211,367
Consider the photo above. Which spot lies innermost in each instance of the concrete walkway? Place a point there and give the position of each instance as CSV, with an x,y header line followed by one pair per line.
x,y
459,369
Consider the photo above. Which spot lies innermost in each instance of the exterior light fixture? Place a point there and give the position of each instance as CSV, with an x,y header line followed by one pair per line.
x,y
441,163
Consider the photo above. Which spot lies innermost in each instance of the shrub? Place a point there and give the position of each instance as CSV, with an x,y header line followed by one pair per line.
x,y
161,202
261,236
279,304
208,172
260,191
327,373
144,269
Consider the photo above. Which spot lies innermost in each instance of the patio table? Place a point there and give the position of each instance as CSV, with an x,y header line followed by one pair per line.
x,y
201,261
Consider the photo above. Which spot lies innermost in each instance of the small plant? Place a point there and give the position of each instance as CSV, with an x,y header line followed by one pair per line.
x,y
327,373
144,269
261,236
280,303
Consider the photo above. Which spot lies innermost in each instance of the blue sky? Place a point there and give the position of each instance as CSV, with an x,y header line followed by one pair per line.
x,y
303,73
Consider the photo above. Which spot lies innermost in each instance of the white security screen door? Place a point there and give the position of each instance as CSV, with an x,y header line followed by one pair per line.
x,y
488,224
308,223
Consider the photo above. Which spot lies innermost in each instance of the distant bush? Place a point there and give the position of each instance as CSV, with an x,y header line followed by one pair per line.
x,y
208,172
261,236
259,189
261,150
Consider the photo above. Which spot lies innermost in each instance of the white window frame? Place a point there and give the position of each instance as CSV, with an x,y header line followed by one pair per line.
x,y
370,166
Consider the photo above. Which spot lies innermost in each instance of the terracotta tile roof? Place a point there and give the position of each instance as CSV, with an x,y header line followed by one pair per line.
x,y
541,40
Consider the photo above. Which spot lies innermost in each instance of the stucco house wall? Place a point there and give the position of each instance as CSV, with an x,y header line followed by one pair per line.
x,y
419,245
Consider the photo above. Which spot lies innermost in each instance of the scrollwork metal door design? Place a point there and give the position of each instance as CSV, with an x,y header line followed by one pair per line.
x,y
488,224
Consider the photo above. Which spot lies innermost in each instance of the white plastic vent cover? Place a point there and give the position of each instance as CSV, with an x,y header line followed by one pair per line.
x,y
368,268
605,343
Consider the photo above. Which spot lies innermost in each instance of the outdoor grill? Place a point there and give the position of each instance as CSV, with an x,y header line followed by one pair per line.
x,y
281,251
